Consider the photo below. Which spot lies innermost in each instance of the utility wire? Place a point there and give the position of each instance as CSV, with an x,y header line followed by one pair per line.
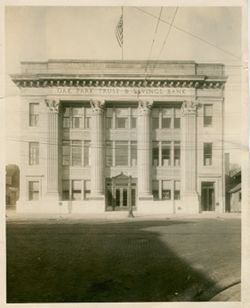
x,y
165,40
191,34
153,41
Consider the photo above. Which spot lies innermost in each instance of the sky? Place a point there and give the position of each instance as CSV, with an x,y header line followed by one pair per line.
x,y
42,33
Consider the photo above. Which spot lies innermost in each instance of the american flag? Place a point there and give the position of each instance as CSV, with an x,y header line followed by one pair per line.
x,y
119,31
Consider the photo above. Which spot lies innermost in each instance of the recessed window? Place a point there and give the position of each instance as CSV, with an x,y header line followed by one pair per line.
x,y
133,153
121,153
34,153
76,190
87,150
66,153
33,190
177,118
166,117
177,153
76,152
65,190
177,190
208,115
155,190
33,114
166,190
207,154
155,118
155,153
165,153
121,118
109,153
87,190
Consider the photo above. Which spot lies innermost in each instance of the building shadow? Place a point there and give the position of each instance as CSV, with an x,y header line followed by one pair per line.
x,y
109,262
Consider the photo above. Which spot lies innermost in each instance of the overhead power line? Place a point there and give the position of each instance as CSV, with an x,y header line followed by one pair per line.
x,y
191,34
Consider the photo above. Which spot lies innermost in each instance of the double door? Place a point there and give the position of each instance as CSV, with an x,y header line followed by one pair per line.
x,y
120,196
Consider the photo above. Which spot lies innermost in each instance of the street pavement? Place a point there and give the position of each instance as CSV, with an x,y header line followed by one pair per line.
x,y
118,259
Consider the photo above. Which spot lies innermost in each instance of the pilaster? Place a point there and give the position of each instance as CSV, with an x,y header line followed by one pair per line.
x,y
189,157
97,150
144,151
53,149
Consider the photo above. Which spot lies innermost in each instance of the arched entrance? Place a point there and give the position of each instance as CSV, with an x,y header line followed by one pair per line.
x,y
12,183
121,192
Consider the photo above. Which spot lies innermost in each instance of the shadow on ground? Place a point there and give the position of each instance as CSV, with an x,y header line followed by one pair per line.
x,y
108,262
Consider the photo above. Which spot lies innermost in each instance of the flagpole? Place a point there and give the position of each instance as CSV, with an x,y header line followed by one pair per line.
x,y
122,31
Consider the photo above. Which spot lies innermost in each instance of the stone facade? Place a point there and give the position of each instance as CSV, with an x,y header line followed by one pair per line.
x,y
173,118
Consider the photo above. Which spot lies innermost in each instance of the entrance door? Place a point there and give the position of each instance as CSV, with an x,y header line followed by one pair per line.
x,y
120,193
207,196
121,197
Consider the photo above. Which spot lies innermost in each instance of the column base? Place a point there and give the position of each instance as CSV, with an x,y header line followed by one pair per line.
x,y
190,203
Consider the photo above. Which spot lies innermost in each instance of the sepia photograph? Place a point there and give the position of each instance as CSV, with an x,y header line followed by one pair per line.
x,y
123,153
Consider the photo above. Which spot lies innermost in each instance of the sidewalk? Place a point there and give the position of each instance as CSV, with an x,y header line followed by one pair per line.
x,y
12,216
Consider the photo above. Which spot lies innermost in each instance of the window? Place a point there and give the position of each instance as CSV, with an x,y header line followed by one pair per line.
x,y
177,190
33,190
109,118
34,153
155,118
177,118
166,117
87,118
166,150
177,153
87,190
33,114
155,153
65,189
121,153
72,189
208,112
109,151
133,117
76,189
207,154
72,153
121,118
133,153
87,155
155,190
76,152
66,117
66,153
166,190
76,117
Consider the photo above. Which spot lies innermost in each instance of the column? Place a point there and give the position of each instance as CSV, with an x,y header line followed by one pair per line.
x,y
144,151
97,150
189,157
53,149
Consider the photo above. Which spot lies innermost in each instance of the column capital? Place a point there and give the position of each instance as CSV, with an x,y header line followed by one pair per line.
x,y
145,106
52,104
97,106
189,107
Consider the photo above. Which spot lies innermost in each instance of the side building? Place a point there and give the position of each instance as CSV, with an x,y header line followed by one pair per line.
x,y
103,135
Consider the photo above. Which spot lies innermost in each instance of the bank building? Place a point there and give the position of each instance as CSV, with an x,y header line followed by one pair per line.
x,y
102,136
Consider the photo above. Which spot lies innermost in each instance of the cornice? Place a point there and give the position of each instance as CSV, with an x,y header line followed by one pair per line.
x,y
44,81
